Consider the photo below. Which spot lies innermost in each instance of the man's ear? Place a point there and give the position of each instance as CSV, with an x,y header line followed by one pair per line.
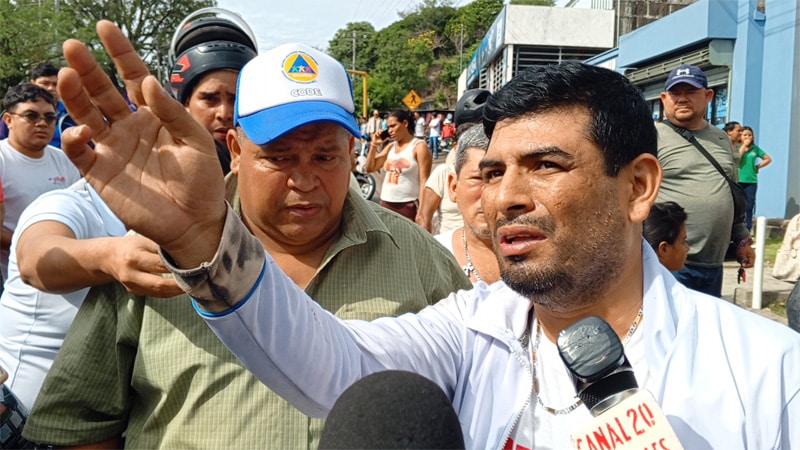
x,y
232,140
662,248
452,182
645,178
351,142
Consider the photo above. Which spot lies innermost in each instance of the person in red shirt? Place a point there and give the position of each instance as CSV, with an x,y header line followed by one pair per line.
x,y
448,131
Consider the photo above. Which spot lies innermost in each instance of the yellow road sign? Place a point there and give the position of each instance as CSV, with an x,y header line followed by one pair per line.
x,y
412,100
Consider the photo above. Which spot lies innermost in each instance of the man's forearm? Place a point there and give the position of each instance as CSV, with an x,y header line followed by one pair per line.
x,y
62,264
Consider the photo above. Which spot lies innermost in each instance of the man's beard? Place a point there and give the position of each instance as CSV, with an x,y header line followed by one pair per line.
x,y
596,264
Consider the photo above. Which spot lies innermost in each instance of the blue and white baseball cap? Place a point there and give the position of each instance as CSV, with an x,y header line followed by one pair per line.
x,y
290,86
686,73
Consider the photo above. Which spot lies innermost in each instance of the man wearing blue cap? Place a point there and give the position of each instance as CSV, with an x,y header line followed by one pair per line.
x,y
565,252
154,370
693,182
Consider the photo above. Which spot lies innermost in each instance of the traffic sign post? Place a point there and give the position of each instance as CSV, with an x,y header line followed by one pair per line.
x,y
412,100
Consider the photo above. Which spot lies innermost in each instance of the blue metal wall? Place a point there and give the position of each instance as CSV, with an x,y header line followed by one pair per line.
x,y
764,82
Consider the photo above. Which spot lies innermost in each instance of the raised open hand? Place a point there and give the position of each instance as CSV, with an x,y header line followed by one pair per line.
x,y
156,167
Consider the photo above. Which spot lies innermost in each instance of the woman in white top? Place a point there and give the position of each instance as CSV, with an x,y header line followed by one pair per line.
x,y
407,163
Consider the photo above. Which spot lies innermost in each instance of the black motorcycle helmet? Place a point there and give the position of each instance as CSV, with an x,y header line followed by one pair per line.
x,y
469,108
208,39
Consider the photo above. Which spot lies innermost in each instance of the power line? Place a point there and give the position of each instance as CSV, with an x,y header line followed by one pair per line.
x,y
358,8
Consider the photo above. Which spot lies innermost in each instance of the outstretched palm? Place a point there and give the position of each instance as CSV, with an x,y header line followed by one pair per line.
x,y
156,167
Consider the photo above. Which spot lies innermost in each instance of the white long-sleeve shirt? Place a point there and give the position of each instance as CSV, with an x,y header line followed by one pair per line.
x,y
724,377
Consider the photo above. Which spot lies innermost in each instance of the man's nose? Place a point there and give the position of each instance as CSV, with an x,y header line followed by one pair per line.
x,y
225,111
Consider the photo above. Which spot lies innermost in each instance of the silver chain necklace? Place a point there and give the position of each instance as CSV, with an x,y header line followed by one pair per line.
x,y
579,402
468,267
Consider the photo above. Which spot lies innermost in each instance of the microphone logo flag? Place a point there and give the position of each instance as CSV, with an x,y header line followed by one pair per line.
x,y
635,423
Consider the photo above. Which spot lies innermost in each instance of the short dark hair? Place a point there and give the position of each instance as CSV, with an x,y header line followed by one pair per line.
x,y
471,137
26,92
663,224
401,115
45,69
750,129
621,121
730,126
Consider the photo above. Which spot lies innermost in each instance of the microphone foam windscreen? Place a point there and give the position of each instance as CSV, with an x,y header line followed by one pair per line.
x,y
392,410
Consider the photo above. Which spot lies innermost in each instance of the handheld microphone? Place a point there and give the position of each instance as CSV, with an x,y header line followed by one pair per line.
x,y
625,417
392,410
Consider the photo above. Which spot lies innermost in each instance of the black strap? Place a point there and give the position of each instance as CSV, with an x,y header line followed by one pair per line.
x,y
690,137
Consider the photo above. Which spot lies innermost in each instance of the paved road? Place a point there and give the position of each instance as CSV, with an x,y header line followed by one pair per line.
x,y
772,290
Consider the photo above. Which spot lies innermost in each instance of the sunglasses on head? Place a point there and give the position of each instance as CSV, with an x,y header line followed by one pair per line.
x,y
34,117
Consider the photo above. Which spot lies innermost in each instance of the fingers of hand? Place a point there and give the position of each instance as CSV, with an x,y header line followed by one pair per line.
x,y
75,143
144,273
79,105
129,65
140,254
153,285
102,92
174,117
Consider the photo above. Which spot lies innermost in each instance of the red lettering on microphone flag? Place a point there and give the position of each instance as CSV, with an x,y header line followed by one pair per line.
x,y
511,445
635,423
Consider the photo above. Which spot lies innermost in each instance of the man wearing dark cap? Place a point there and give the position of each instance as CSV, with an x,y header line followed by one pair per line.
x,y
694,183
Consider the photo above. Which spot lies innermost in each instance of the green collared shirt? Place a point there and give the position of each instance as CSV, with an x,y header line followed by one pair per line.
x,y
152,367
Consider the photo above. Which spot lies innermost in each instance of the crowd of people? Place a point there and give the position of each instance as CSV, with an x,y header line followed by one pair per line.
x,y
207,276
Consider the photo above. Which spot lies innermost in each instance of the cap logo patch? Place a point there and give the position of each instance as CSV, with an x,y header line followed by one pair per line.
x,y
300,67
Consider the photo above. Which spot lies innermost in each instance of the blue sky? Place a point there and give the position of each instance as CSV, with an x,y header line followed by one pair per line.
x,y
314,22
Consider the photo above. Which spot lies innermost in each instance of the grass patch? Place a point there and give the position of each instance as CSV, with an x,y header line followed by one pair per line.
x,y
778,308
771,249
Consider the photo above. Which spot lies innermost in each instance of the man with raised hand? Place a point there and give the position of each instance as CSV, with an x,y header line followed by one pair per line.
x,y
151,367
565,194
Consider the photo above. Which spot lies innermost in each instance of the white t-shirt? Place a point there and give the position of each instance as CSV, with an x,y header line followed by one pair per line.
x,y
448,209
419,127
33,323
435,126
446,239
25,178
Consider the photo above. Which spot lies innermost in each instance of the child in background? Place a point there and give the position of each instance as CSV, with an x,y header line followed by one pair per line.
x,y
665,231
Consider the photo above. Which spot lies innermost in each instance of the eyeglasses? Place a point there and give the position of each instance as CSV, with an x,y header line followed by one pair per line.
x,y
34,117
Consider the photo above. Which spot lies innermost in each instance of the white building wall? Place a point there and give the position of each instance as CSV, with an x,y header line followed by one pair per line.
x,y
564,27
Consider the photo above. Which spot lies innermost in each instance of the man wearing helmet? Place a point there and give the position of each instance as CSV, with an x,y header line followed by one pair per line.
x,y
208,54
150,368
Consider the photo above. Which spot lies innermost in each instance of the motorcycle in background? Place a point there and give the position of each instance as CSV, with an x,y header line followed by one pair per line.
x,y
366,182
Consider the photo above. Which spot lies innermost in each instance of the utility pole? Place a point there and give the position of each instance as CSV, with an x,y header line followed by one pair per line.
x,y
354,50
363,88
461,51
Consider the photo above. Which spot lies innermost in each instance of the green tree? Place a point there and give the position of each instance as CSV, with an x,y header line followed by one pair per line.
x,y
341,48
471,22
341,45
149,24
431,17
32,31
420,51
29,34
